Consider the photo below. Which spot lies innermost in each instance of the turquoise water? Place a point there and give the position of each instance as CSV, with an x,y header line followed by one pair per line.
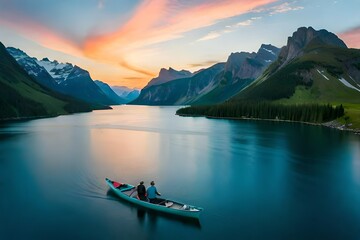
x,y
255,179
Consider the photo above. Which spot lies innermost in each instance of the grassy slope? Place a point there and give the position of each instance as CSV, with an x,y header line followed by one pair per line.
x,y
285,85
329,91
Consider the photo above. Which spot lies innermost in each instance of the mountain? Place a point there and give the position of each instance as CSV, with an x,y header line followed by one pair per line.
x,y
180,91
316,78
129,94
166,75
63,78
212,85
22,97
110,93
314,66
31,66
241,69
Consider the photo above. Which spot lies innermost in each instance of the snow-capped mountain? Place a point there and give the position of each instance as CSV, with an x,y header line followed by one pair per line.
x,y
31,66
64,78
58,71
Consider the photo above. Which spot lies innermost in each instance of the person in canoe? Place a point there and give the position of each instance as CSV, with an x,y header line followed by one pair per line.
x,y
152,193
141,190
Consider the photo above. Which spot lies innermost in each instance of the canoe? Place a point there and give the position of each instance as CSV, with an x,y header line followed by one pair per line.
x,y
128,192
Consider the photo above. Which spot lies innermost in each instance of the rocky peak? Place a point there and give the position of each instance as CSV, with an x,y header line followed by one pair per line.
x,y
235,60
267,53
166,75
304,37
17,53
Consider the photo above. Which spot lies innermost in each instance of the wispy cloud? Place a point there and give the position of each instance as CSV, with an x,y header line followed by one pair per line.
x,y
136,69
202,64
211,35
157,21
247,22
277,9
228,29
281,8
351,37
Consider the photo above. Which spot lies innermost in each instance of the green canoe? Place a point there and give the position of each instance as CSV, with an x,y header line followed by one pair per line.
x,y
128,192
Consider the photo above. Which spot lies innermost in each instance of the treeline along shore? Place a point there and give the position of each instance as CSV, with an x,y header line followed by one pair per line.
x,y
310,113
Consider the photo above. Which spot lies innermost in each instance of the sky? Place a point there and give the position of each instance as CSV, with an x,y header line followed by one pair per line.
x,y
127,42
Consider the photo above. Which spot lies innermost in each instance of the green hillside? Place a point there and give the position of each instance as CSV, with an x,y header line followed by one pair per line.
x,y
22,97
314,77
318,73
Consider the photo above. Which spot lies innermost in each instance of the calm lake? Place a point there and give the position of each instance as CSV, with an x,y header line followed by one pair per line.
x,y
254,179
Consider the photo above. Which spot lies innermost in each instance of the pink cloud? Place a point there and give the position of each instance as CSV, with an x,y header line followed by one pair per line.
x,y
41,34
160,20
351,37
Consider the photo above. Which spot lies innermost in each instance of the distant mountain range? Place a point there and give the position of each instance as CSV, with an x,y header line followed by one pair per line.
x,y
65,78
212,85
110,93
22,97
129,94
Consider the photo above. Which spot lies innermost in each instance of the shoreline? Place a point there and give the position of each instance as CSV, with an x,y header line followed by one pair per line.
x,y
332,124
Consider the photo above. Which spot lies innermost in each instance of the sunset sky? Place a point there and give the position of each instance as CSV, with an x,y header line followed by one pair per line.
x,y
126,42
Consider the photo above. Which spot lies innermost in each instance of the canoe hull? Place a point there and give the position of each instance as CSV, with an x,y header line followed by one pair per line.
x,y
193,213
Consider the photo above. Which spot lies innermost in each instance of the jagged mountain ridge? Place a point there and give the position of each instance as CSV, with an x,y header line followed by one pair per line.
x,y
22,97
303,37
166,75
64,78
180,91
214,84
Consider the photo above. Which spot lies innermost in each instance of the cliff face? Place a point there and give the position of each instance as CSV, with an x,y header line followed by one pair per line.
x,y
314,67
305,37
167,75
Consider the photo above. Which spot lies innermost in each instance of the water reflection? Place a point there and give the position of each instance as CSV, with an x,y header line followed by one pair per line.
x,y
285,179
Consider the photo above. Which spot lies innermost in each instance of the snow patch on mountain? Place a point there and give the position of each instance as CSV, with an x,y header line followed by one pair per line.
x,y
59,71
346,83
270,51
322,74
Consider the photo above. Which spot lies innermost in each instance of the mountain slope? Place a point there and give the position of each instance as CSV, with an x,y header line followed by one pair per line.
x,y
320,69
63,78
212,85
167,75
241,69
316,78
109,92
21,96
180,91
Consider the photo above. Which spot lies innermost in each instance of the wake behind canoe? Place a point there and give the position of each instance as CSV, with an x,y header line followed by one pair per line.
x,y
128,192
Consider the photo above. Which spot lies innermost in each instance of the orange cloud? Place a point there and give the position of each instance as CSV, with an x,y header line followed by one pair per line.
x,y
203,64
136,69
160,20
351,37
